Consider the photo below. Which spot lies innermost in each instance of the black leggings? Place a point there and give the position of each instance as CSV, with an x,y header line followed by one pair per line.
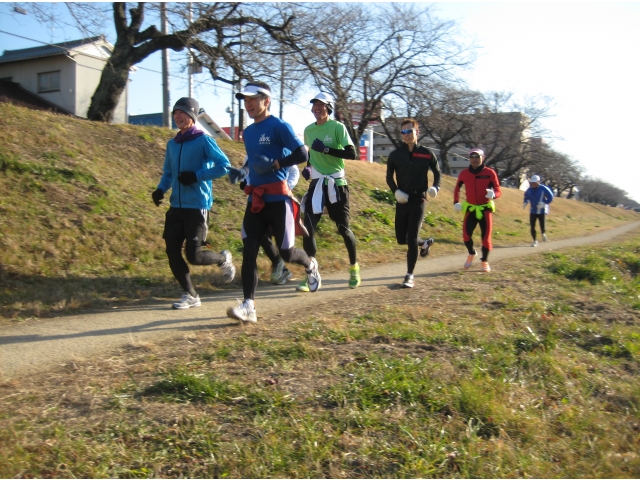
x,y
532,222
255,226
188,224
338,212
409,217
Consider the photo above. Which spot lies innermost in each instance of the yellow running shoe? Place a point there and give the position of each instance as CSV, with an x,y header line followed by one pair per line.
x,y
354,280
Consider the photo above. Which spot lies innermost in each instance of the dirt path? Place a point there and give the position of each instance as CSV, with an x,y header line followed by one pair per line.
x,y
41,344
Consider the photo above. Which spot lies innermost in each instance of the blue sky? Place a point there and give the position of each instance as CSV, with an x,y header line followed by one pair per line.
x,y
583,55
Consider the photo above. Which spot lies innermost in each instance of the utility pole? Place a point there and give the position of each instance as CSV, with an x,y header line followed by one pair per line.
x,y
190,67
166,99
240,109
231,109
281,86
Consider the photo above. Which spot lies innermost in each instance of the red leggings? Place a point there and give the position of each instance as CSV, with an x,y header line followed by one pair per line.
x,y
486,227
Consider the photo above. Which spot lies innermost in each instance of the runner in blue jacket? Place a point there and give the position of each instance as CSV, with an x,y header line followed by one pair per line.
x,y
538,197
192,160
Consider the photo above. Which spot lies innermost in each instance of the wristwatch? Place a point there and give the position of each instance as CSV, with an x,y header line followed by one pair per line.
x,y
326,150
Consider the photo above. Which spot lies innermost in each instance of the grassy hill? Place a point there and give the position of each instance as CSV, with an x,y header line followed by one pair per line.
x,y
531,372
78,229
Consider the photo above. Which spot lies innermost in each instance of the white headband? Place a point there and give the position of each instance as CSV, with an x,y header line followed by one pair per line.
x,y
252,90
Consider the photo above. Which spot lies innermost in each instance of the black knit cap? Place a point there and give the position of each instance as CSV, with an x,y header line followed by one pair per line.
x,y
189,106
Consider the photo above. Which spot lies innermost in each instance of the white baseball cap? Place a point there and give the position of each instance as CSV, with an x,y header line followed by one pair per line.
x,y
251,91
324,98
535,179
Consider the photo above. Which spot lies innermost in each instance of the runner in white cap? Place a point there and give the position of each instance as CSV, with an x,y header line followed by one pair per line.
x,y
271,146
538,197
329,144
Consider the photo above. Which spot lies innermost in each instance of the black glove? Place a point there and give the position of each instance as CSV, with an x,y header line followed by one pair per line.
x,y
306,173
318,146
243,183
157,196
263,165
187,178
236,174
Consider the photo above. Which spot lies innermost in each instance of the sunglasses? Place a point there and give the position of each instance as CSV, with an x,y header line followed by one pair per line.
x,y
475,155
405,132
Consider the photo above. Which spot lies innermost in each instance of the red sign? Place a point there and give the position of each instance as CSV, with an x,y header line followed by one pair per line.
x,y
363,153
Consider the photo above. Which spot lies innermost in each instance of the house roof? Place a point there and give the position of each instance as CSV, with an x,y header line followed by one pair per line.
x,y
155,119
11,92
49,50
150,119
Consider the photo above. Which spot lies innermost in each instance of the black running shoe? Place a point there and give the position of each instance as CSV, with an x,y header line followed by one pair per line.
x,y
424,248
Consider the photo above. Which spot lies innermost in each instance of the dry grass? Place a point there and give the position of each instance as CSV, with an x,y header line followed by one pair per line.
x,y
78,230
525,374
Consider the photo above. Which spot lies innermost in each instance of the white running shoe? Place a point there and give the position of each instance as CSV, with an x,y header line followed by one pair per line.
x,y
227,268
243,312
187,301
544,237
408,281
313,276
535,243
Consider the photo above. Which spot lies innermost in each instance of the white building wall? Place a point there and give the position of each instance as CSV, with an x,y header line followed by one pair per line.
x,y
88,72
26,74
79,78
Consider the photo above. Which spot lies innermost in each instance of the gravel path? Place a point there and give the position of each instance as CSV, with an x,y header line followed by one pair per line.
x,y
38,345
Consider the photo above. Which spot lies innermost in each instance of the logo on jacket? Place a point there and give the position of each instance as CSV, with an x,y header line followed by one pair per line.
x,y
327,139
264,140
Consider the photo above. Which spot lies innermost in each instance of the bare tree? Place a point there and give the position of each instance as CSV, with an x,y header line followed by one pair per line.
x,y
368,55
559,171
446,114
597,191
504,129
216,29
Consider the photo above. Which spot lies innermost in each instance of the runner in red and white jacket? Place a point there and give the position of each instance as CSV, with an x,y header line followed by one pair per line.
x,y
482,186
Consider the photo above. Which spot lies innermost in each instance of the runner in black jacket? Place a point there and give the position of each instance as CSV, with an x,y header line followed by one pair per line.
x,y
411,163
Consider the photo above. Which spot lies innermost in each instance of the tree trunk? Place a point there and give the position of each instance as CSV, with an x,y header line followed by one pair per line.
x,y
446,168
113,81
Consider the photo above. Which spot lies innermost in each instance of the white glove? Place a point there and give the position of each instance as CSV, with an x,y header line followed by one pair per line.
x,y
402,197
524,205
541,206
457,207
490,194
432,192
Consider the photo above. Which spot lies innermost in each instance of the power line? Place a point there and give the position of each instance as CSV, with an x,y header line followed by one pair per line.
x,y
210,83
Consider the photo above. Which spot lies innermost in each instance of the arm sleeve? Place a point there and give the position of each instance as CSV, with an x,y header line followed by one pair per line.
x,y
165,180
390,170
496,185
216,161
435,168
549,195
349,152
456,190
299,155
